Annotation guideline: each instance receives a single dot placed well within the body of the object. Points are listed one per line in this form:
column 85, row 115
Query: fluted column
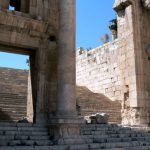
column 66, row 102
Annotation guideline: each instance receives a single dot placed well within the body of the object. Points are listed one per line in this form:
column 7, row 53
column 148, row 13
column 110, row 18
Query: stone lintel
column 22, row 22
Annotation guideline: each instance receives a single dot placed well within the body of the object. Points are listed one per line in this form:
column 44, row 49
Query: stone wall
column 100, row 69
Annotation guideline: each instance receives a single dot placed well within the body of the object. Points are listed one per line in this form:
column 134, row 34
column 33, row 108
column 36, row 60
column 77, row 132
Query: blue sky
column 13, row 60
column 92, row 21
column 93, row 17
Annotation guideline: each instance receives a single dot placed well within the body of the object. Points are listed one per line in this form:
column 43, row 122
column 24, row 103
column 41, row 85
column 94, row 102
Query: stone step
column 14, row 124
column 12, row 106
column 14, row 115
column 25, row 143
column 12, row 103
column 68, row 141
column 9, row 98
column 127, row 135
column 101, row 126
column 24, row 137
column 24, row 133
column 13, row 110
column 138, row 148
column 66, row 147
column 110, row 145
column 114, row 129
column 23, row 129
column 17, row 136
column 128, row 148
column 10, row 94
column 4, row 105
column 14, row 119
column 16, row 112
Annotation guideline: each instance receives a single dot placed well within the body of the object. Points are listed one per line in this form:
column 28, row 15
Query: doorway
column 16, row 98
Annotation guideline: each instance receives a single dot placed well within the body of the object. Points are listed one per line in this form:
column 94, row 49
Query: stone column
column 66, row 124
column 66, row 104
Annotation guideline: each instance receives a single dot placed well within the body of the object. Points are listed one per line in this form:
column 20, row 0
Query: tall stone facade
column 133, row 24
column 34, row 32
column 120, row 69
column 37, row 28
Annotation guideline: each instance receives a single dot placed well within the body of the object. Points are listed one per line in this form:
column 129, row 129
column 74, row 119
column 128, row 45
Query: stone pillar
column 131, row 28
column 66, row 123
column 66, row 104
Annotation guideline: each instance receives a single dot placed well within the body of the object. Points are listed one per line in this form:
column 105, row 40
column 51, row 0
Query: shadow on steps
column 90, row 103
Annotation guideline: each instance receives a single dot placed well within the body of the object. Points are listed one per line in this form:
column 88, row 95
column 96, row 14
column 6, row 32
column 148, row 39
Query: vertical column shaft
column 66, row 103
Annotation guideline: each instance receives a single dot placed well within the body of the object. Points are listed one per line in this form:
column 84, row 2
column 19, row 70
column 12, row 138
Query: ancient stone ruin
column 120, row 71
column 14, row 100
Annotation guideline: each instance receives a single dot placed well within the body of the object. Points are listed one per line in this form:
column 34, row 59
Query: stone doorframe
column 32, row 54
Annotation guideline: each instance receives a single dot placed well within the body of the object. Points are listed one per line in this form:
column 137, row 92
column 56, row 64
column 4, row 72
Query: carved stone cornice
column 146, row 4
column 121, row 4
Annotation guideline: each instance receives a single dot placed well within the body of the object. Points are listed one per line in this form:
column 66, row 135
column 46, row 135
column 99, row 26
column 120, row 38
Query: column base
column 135, row 117
column 63, row 130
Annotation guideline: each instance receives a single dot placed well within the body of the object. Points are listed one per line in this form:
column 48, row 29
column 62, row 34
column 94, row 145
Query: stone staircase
column 12, row 106
column 23, row 136
column 13, row 94
column 91, row 103
column 27, row 136
column 114, row 137
column 13, row 98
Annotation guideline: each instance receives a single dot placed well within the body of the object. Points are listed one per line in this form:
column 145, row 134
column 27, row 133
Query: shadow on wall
column 4, row 116
column 90, row 103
